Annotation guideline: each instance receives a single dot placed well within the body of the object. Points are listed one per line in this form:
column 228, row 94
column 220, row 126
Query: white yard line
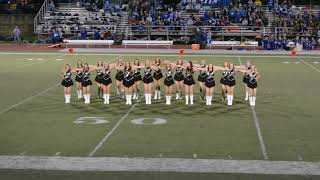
column 160, row 165
column 258, row 129
column 29, row 98
column 106, row 137
column 308, row 64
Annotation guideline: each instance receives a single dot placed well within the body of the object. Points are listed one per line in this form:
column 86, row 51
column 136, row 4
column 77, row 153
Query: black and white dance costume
column 246, row 76
column 231, row 81
column 119, row 75
column 158, row 73
column 137, row 75
column 168, row 81
column 106, row 77
column 252, row 80
column 147, row 79
column 67, row 80
column 203, row 74
column 179, row 74
column 128, row 79
column 209, row 81
column 79, row 76
column 86, row 79
column 99, row 75
column 224, row 77
column 188, row 80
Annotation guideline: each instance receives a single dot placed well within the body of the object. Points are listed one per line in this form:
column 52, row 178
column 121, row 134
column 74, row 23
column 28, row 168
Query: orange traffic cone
column 182, row 51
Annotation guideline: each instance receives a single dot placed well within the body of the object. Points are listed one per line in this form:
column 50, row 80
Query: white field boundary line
column 160, row 165
column 31, row 64
column 308, row 64
column 106, row 137
column 166, row 55
column 29, row 98
column 258, row 129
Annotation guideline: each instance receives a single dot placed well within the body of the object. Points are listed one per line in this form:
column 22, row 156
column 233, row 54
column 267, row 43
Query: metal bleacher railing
column 40, row 16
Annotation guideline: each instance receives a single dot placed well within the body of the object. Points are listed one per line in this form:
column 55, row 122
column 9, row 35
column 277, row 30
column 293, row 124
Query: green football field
column 35, row 121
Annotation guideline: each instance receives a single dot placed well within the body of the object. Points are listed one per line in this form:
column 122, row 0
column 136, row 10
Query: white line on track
column 57, row 154
column 308, row 64
column 105, row 139
column 29, row 98
column 258, row 129
column 160, row 165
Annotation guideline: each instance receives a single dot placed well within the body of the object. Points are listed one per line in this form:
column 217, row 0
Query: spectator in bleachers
column 83, row 34
column 209, row 37
column 96, row 35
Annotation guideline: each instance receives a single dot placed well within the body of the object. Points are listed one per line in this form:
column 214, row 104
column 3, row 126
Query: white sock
column 250, row 101
column 207, row 100
column 156, row 94
column 187, row 99
column 150, row 98
column 85, row 98
column 130, row 99
column 228, row 100
column 118, row 92
column 146, row 98
column 108, row 98
column 191, row 99
column 68, row 97
column 210, row 100
column 177, row 95
column 159, row 94
column 254, row 100
column 105, row 98
column 65, row 99
column 88, row 97
column 247, row 95
column 231, row 99
column 127, row 99
column 78, row 93
column 167, row 100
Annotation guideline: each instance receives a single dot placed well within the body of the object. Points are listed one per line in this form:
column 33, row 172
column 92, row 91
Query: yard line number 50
column 102, row 120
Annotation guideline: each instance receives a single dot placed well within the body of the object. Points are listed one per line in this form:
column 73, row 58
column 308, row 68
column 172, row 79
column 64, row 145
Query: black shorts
column 86, row 83
column 67, row 83
column 223, row 81
column 168, row 81
column 252, row 85
column 128, row 83
column 157, row 75
column 78, row 79
column 98, row 79
column 189, row 81
column 119, row 76
column 231, row 83
column 202, row 78
column 179, row 77
column 147, row 80
column 106, row 82
column 245, row 79
column 210, row 84
column 137, row 77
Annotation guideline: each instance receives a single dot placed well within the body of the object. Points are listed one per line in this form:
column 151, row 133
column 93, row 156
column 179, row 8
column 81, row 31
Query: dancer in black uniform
column 98, row 78
column 67, row 83
column 128, row 82
column 86, row 83
column 178, row 78
column 78, row 79
column 245, row 80
column 231, row 82
column 157, row 75
column 137, row 79
column 119, row 78
column 168, row 82
column 202, row 78
column 210, row 83
column 147, row 80
column 254, row 75
column 106, row 81
column 223, row 81
column 189, row 83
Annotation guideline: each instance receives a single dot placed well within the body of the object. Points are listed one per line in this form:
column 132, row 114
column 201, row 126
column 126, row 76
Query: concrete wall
column 8, row 22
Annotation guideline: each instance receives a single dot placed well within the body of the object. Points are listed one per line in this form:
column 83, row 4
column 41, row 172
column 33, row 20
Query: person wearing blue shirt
column 83, row 34
column 96, row 35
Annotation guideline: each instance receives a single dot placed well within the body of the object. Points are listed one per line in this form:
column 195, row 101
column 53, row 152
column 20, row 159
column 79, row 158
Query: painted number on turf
column 156, row 121
column 91, row 120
